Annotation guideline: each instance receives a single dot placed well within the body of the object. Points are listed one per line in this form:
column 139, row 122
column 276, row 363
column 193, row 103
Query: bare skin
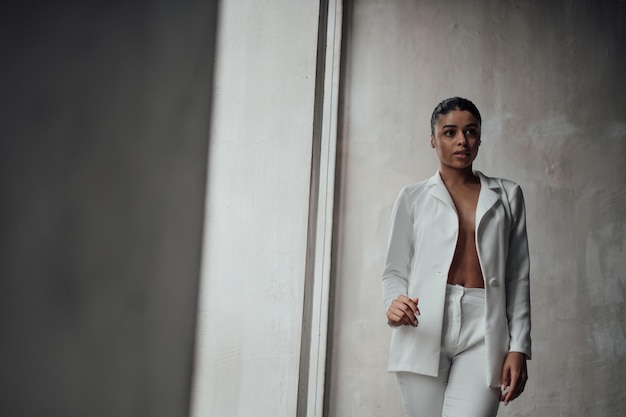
column 456, row 140
column 465, row 268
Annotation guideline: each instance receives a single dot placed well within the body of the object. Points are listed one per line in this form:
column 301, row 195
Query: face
column 456, row 139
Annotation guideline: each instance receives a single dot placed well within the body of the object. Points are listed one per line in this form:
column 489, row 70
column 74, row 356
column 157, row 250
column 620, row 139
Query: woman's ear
column 432, row 141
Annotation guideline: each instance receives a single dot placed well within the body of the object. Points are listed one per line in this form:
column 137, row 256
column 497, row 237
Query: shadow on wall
column 102, row 173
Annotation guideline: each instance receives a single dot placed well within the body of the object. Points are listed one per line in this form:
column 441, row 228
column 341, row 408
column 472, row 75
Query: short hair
column 453, row 103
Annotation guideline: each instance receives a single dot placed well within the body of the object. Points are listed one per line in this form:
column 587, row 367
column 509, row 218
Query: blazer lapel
column 438, row 190
column 487, row 197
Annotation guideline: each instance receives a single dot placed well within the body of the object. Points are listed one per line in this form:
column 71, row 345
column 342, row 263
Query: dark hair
column 453, row 103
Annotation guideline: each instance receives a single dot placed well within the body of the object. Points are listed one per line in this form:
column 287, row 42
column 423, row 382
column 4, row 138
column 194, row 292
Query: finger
column 400, row 315
column 403, row 299
column 520, row 386
column 513, row 391
column 509, row 395
column 404, row 307
column 395, row 315
column 505, row 383
column 407, row 317
column 410, row 314
column 504, row 392
column 410, row 302
column 417, row 309
column 506, row 377
column 396, row 320
column 523, row 377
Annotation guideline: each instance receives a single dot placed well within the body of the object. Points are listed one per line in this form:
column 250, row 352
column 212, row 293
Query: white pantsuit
column 422, row 242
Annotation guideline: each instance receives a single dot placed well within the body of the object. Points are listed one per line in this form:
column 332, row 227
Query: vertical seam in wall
column 329, row 116
column 309, row 278
column 345, row 19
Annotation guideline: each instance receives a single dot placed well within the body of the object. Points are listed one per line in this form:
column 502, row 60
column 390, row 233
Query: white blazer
column 422, row 242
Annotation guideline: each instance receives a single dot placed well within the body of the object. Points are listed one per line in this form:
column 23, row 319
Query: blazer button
column 493, row 282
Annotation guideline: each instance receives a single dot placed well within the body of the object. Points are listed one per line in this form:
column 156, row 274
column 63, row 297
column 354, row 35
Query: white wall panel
column 249, row 330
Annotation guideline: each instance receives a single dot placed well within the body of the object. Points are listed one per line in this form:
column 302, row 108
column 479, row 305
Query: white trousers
column 460, row 389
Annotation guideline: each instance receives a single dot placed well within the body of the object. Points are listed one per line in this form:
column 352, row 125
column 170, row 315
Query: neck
column 452, row 176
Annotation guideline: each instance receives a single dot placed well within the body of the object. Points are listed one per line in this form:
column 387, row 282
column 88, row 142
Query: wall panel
column 253, row 281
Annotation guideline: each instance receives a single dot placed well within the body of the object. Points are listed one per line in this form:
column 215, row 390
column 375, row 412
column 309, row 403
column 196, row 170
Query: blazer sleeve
column 518, row 278
column 400, row 251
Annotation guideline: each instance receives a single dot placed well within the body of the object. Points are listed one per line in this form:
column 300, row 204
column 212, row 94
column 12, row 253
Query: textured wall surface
column 251, row 307
column 105, row 122
column 549, row 80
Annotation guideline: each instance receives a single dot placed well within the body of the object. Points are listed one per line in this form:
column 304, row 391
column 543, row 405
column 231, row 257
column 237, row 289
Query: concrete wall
column 105, row 121
column 549, row 80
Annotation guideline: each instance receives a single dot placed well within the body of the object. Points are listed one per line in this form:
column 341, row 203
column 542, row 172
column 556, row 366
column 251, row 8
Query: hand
column 403, row 311
column 514, row 376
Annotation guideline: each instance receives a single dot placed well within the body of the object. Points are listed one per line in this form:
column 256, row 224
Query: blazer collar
column 489, row 195
column 438, row 189
column 486, row 199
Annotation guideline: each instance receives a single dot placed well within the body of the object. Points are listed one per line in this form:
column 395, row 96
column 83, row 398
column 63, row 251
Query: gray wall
column 105, row 121
column 549, row 80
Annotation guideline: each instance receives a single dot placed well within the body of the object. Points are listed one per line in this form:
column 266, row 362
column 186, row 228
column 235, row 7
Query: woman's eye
column 449, row 133
column 470, row 132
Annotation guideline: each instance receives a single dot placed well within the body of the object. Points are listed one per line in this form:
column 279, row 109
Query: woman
column 456, row 280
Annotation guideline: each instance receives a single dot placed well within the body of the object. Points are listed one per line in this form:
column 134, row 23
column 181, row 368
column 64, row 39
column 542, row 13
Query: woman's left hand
column 514, row 376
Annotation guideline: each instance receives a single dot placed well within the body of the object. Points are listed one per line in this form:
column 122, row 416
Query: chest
column 440, row 220
column 465, row 203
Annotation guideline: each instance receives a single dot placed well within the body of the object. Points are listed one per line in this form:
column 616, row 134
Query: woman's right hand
column 403, row 311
